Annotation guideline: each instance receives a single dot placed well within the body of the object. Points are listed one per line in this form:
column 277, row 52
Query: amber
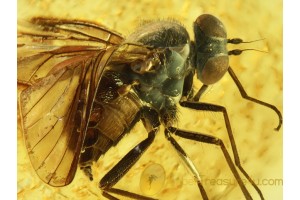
column 259, row 146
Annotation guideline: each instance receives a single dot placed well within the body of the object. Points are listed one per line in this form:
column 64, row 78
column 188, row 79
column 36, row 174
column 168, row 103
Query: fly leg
column 188, row 162
column 216, row 108
column 122, row 167
column 106, row 184
column 245, row 96
column 200, row 92
column 200, row 137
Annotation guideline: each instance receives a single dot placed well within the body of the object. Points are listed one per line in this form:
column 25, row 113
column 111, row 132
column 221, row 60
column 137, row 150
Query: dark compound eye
column 214, row 69
column 211, row 26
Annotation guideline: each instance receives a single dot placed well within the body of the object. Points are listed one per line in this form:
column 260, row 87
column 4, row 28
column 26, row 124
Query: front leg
column 246, row 96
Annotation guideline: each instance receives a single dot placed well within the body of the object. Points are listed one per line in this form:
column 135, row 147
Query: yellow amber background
column 260, row 147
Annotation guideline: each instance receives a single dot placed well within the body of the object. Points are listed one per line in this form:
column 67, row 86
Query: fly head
column 210, row 53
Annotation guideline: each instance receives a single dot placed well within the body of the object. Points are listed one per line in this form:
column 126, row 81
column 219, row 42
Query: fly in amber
column 87, row 86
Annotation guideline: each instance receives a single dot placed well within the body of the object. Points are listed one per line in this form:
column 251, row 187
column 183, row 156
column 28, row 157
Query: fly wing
column 61, row 63
column 45, row 42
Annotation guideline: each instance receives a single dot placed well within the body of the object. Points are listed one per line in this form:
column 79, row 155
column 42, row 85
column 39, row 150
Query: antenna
column 239, row 41
column 237, row 52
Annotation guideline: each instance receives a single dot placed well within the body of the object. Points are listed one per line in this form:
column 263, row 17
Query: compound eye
column 214, row 69
column 211, row 26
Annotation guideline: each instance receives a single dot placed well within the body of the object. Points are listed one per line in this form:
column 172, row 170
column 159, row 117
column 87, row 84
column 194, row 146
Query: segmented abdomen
column 111, row 117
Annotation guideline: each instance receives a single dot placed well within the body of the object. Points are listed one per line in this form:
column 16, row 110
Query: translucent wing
column 60, row 62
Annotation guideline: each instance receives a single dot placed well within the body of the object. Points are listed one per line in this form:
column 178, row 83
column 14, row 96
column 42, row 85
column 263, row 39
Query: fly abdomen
column 111, row 117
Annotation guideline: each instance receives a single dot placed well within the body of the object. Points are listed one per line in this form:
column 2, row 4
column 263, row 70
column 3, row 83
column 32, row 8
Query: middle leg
column 217, row 108
column 200, row 137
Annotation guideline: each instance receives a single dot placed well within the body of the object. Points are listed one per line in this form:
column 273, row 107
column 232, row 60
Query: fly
column 98, row 85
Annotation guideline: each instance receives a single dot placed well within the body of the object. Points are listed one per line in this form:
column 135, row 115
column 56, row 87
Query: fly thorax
column 162, row 88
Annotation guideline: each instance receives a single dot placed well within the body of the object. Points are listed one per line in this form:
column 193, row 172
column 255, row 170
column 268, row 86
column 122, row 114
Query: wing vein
column 45, row 93
column 50, row 37
column 57, row 118
column 84, row 34
column 72, row 135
